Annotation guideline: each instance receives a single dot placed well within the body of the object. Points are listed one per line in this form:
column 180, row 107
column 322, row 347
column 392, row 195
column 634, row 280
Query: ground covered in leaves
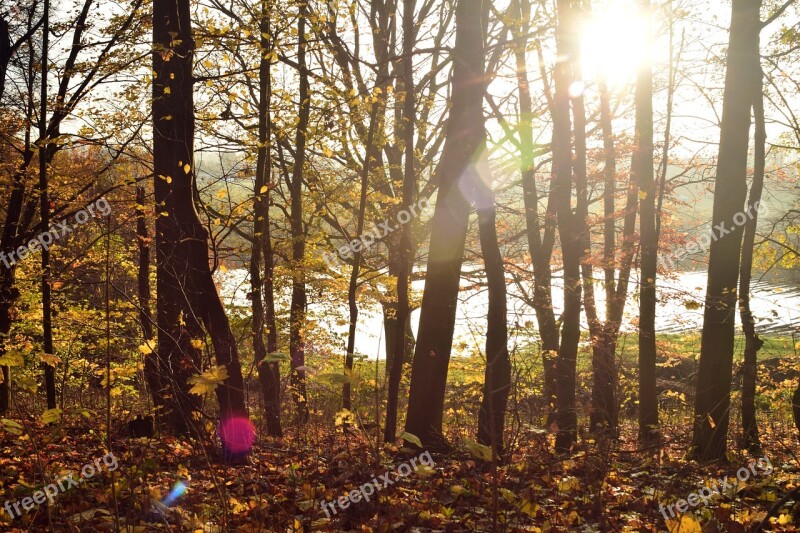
column 171, row 485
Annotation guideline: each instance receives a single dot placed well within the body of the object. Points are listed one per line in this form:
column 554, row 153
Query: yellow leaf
column 344, row 417
column 49, row 359
column 187, row 168
column 51, row 416
column 208, row 381
column 479, row 451
column 12, row 358
column 686, row 524
column 413, row 439
column 12, row 427
column 148, row 347
column 263, row 189
column 197, row 344
column 425, row 471
column 568, row 484
column 167, row 90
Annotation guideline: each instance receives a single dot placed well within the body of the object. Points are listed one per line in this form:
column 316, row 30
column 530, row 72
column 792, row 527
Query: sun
column 615, row 42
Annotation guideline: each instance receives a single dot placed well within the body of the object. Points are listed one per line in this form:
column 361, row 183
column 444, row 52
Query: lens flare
column 237, row 435
column 177, row 491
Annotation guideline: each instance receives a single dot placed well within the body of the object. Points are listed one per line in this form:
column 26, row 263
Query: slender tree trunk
column 712, row 402
column 752, row 341
column 8, row 293
column 188, row 305
column 539, row 247
column 5, row 54
column 297, row 312
column 568, row 229
column 390, row 329
column 12, row 229
column 497, row 376
column 358, row 252
column 47, row 314
column 151, row 366
column 642, row 168
column 406, row 251
column 262, row 292
column 456, row 170
column 604, row 416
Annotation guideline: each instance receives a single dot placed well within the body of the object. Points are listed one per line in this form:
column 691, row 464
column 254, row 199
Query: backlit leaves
column 208, row 381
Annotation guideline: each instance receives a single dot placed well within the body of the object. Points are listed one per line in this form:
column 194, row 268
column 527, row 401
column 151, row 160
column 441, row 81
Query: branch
column 777, row 14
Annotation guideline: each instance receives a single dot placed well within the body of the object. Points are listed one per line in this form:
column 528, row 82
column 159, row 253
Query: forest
column 399, row 265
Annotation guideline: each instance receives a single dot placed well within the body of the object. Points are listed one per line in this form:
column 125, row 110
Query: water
column 776, row 308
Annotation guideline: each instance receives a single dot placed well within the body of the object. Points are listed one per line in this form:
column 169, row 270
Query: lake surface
column 776, row 308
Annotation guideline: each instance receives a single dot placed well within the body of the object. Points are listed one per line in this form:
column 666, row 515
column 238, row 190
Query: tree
column 497, row 377
column 188, row 306
column 297, row 317
column 44, row 213
column 753, row 342
column 712, row 402
column 455, row 174
column 540, row 233
column 642, row 169
column 406, row 252
column 605, row 406
column 569, row 227
column 151, row 366
column 353, row 285
column 262, row 288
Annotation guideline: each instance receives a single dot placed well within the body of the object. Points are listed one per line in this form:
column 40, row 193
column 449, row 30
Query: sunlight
column 615, row 42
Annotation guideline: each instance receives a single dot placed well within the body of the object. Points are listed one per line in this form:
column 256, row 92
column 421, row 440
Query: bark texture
column 188, row 306
column 455, row 174
column 712, row 402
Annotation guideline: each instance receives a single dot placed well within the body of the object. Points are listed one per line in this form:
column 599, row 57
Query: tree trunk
column 297, row 311
column 353, row 285
column 12, row 230
column 187, row 297
column 540, row 247
column 642, row 169
column 752, row 341
column 605, row 409
column 456, row 170
column 406, row 249
column 47, row 314
column 389, row 310
column 151, row 366
column 568, row 229
column 8, row 293
column 497, row 376
column 5, row 53
column 262, row 290
column 712, row 402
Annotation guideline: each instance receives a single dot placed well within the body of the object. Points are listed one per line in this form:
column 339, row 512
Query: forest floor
column 168, row 484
